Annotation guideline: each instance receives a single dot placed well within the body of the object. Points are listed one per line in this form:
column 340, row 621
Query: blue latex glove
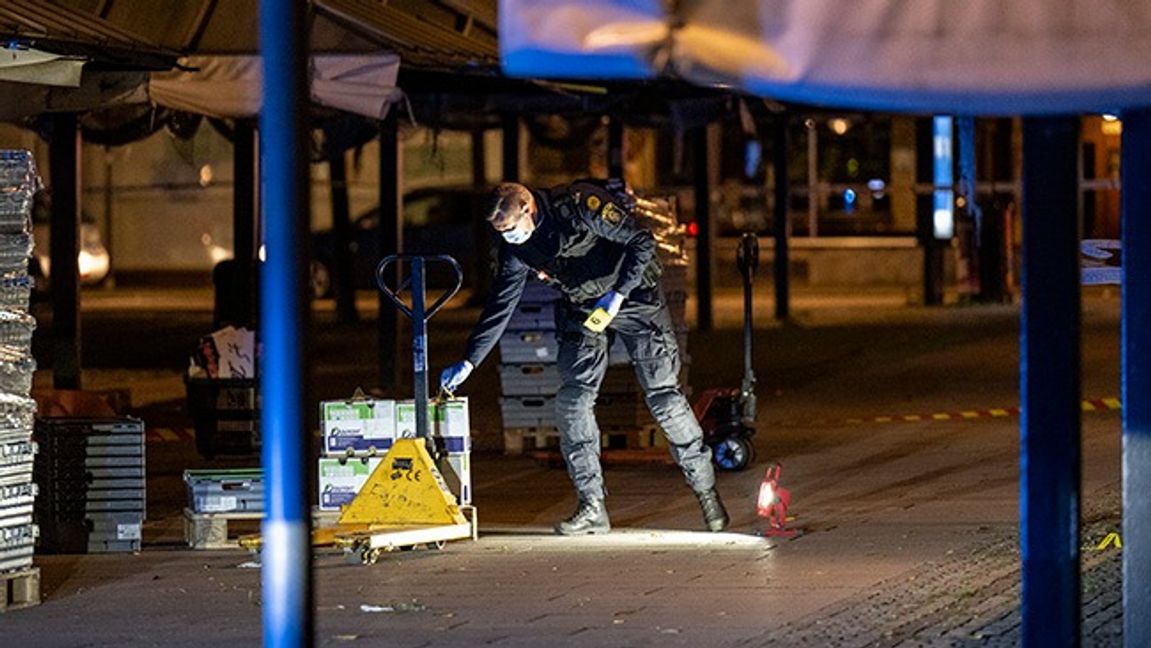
column 604, row 312
column 455, row 375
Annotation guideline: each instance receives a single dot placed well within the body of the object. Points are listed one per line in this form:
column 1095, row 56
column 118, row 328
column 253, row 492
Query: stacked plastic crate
column 92, row 484
column 528, row 375
column 18, row 184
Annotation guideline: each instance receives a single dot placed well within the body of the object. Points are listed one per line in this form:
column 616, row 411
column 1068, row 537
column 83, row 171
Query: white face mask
column 517, row 235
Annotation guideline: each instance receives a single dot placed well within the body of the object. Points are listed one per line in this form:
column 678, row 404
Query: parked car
column 93, row 258
column 440, row 220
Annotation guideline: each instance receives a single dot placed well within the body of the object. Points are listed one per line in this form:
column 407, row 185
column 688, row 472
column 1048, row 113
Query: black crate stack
column 91, row 477
column 19, row 182
column 528, row 375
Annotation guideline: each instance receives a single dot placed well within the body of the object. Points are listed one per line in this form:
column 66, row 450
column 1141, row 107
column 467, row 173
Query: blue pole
column 1135, row 167
column 1049, row 384
column 286, row 575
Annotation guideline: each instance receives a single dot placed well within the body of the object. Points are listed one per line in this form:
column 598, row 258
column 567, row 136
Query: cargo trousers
column 644, row 325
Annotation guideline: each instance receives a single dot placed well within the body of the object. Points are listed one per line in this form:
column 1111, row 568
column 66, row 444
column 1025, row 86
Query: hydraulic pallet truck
column 406, row 502
column 727, row 416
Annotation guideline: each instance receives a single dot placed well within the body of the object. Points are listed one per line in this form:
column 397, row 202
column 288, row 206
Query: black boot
column 713, row 512
column 589, row 519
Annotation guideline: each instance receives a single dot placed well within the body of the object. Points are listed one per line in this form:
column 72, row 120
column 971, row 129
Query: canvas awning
column 229, row 86
column 978, row 57
column 29, row 65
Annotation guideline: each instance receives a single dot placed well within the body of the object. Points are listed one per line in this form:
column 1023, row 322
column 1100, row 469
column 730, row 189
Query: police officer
column 583, row 240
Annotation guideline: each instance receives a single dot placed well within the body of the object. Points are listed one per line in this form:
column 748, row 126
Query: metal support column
column 287, row 556
column 615, row 147
column 971, row 233
column 702, row 181
column 391, row 232
column 481, row 279
column 1135, row 200
column 511, row 149
column 1049, row 385
column 244, row 183
column 344, row 286
column 65, row 244
column 781, row 218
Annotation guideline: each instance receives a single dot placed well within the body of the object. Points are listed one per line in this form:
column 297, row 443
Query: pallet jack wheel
column 733, row 453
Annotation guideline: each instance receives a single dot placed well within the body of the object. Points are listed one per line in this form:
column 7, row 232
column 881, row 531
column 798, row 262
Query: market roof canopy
column 981, row 56
column 230, row 87
column 59, row 30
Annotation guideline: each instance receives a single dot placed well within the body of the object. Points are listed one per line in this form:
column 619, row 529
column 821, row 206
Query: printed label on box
column 127, row 531
column 360, row 426
column 340, row 479
column 406, row 419
column 216, row 503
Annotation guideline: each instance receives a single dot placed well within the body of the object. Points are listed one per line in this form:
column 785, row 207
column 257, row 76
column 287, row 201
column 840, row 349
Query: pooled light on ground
column 638, row 539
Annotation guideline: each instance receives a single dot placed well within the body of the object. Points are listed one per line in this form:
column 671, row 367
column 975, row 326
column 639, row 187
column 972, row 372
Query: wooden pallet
column 21, row 589
column 517, row 441
column 219, row 530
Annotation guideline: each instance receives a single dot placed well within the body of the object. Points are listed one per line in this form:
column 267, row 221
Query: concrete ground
column 892, row 424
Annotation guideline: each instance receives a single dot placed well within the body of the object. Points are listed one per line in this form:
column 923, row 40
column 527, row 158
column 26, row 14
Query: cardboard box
column 453, row 424
column 341, row 478
column 406, row 419
column 358, row 427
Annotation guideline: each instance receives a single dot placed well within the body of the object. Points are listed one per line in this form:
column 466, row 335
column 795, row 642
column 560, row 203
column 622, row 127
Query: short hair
column 507, row 199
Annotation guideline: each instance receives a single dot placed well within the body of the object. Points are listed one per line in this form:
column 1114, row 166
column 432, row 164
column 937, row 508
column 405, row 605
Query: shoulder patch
column 593, row 202
column 612, row 213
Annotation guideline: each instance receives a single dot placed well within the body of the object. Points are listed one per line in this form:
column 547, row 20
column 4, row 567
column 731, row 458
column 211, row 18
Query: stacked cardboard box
column 19, row 182
column 358, row 432
column 91, row 477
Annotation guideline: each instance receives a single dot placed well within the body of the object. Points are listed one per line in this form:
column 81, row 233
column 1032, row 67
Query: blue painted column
column 1049, row 385
column 1135, row 198
column 287, row 569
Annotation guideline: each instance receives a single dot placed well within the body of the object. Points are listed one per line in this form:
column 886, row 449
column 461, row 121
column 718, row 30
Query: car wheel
column 321, row 280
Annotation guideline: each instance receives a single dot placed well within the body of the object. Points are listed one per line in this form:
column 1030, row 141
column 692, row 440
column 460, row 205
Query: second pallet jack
column 727, row 415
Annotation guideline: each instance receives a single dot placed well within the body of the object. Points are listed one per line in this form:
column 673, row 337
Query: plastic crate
column 225, row 414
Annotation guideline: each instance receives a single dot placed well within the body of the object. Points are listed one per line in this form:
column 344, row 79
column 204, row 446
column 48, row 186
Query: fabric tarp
column 229, row 86
column 97, row 90
column 975, row 57
column 33, row 66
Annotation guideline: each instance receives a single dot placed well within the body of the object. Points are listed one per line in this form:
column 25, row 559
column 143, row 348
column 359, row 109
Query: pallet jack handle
column 419, row 314
column 747, row 258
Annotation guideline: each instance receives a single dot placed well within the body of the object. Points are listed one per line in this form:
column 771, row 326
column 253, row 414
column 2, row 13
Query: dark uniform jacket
column 585, row 244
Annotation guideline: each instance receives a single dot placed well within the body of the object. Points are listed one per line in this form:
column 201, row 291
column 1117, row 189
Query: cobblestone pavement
column 969, row 599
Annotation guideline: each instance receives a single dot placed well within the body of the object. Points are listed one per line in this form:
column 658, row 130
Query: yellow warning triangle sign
column 1109, row 540
column 405, row 489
